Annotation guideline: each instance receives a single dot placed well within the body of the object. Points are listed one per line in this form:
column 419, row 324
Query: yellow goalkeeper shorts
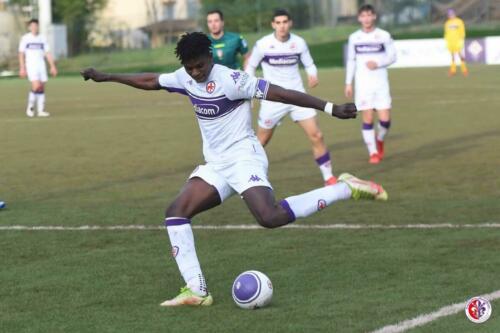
column 455, row 46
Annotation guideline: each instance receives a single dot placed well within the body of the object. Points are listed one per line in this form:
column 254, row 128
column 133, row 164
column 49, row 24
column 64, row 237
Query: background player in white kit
column 279, row 54
column 235, row 160
column 370, row 51
column 33, row 49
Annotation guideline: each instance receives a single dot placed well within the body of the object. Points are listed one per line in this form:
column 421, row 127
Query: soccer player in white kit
column 370, row 51
column 33, row 49
column 235, row 160
column 279, row 55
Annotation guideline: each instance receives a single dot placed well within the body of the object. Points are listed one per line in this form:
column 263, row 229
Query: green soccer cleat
column 188, row 297
column 363, row 189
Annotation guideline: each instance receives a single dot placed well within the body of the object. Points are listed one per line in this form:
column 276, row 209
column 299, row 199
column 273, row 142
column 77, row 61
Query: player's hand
column 94, row 75
column 22, row 72
column 348, row 90
column 345, row 111
column 372, row 65
column 53, row 71
column 312, row 81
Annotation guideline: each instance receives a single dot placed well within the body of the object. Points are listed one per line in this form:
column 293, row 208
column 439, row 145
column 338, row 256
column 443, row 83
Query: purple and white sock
column 383, row 129
column 369, row 138
column 306, row 204
column 325, row 166
column 183, row 250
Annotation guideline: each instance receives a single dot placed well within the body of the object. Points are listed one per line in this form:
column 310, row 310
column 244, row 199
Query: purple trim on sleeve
column 385, row 124
column 323, row 159
column 367, row 126
column 262, row 88
column 176, row 90
column 290, row 212
column 172, row 221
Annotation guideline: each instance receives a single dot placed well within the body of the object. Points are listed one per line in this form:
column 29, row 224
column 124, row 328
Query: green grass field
column 110, row 155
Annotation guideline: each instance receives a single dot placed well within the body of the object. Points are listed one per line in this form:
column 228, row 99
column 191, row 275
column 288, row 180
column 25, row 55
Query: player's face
column 281, row 26
column 33, row 28
column 367, row 19
column 215, row 24
column 199, row 69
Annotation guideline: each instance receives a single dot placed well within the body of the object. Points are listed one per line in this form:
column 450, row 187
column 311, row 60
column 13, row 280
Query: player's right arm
column 145, row 81
column 254, row 60
column 22, row 63
column 350, row 68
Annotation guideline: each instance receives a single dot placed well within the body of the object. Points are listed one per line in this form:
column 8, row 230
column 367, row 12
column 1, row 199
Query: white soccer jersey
column 377, row 46
column 221, row 104
column 34, row 48
column 280, row 61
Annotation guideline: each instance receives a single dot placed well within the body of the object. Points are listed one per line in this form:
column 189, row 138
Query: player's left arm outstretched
column 288, row 96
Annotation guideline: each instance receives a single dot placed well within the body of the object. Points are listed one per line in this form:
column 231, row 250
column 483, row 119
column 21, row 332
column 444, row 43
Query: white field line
column 428, row 317
column 253, row 227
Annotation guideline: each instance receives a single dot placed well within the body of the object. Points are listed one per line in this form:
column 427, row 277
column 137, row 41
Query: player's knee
column 316, row 137
column 177, row 209
column 267, row 219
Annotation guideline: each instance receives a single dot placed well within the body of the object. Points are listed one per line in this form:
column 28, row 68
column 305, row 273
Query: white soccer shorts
column 37, row 73
column 378, row 99
column 271, row 113
column 243, row 172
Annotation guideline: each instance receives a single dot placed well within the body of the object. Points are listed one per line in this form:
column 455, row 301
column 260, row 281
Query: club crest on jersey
column 210, row 87
column 321, row 204
column 293, row 46
column 175, row 251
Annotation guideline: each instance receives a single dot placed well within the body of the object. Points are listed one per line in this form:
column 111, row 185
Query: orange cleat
column 374, row 159
column 380, row 148
column 331, row 181
column 465, row 72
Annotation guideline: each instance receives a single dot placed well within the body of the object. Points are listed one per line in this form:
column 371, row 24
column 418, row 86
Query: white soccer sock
column 369, row 138
column 306, row 204
column 183, row 250
column 31, row 100
column 325, row 166
column 383, row 129
column 40, row 102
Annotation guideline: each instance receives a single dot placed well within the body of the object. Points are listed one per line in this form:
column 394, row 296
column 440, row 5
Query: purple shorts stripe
column 385, row 124
column 323, row 159
column 367, row 126
column 290, row 212
column 171, row 221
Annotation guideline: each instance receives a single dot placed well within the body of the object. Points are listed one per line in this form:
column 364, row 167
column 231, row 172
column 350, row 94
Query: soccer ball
column 252, row 290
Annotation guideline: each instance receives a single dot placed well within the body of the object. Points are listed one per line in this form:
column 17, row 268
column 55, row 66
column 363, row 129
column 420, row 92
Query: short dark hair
column 33, row 20
column 217, row 11
column 193, row 45
column 281, row 12
column 367, row 8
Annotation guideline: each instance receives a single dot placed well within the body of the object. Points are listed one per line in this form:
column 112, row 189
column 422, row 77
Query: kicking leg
column 320, row 151
column 196, row 197
column 260, row 200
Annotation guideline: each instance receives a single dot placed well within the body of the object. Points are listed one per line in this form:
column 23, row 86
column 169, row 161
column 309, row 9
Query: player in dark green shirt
column 225, row 45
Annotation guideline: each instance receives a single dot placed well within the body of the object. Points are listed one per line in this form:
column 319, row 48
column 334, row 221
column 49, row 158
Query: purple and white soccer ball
column 252, row 290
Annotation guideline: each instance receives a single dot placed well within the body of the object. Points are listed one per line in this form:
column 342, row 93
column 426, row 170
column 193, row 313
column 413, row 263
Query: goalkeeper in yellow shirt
column 454, row 34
